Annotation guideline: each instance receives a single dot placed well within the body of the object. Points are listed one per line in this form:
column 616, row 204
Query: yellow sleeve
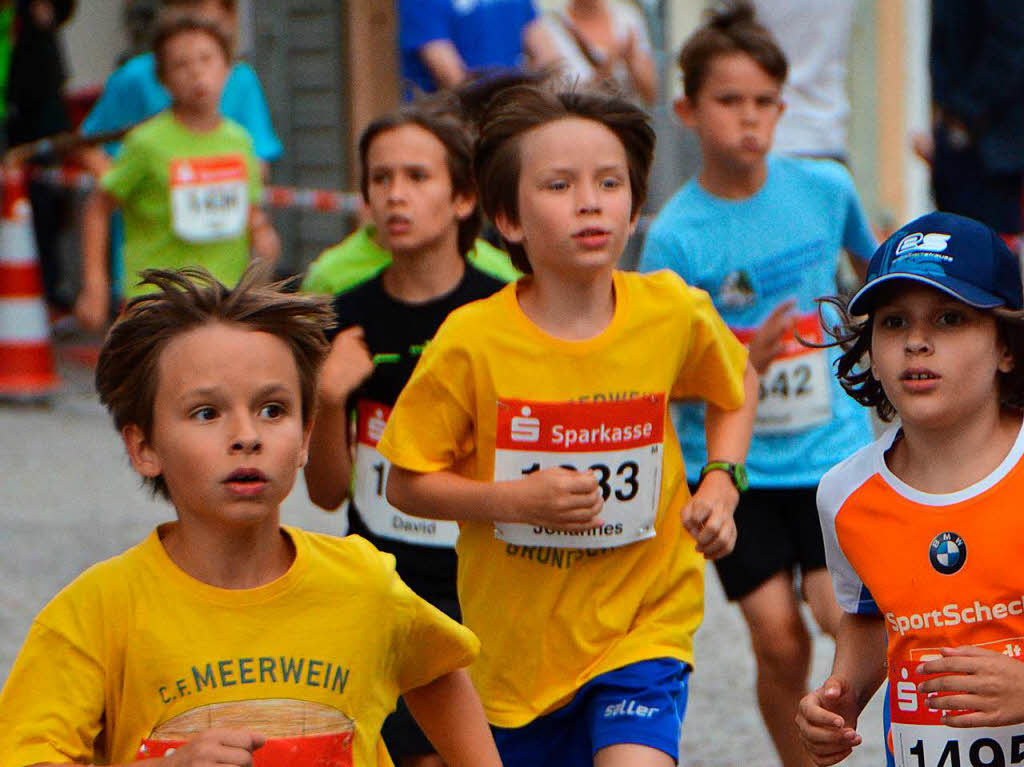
column 431, row 425
column 51, row 707
column 424, row 642
column 715, row 360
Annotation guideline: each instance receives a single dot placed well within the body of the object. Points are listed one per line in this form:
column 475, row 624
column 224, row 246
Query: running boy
column 923, row 526
column 538, row 419
column 224, row 635
column 763, row 234
column 186, row 180
column 417, row 179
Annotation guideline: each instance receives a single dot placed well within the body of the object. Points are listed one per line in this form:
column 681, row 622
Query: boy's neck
column 947, row 460
column 424, row 276
column 573, row 310
column 730, row 182
column 197, row 120
column 229, row 558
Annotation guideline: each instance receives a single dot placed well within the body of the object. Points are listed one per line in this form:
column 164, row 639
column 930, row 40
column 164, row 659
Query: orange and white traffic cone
column 27, row 369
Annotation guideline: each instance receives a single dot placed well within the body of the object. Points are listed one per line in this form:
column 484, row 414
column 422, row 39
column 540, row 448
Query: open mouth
column 246, row 477
column 918, row 375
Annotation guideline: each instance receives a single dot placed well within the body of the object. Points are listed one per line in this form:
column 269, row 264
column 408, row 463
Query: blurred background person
column 442, row 42
column 134, row 93
column 976, row 146
column 606, row 40
column 815, row 36
column 35, row 108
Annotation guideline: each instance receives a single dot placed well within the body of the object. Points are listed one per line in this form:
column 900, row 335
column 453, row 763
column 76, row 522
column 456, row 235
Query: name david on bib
column 621, row 442
column 371, row 481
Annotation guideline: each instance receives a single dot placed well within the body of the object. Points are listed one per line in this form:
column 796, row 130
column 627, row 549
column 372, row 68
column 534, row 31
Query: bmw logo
column 947, row 553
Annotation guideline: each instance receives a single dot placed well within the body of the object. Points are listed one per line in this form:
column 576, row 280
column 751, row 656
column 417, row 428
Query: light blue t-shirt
column 133, row 94
column 750, row 255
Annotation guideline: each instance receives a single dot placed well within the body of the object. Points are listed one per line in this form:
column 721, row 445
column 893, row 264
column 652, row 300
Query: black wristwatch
column 737, row 472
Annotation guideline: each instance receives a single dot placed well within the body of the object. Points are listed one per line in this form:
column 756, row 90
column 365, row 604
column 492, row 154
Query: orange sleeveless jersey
column 941, row 570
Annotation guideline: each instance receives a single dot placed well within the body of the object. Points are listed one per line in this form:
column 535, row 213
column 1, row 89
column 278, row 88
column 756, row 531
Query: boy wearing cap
column 922, row 527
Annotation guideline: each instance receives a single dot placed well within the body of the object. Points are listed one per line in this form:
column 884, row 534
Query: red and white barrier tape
column 286, row 197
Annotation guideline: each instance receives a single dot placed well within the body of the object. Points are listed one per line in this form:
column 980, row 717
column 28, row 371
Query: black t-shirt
column 396, row 333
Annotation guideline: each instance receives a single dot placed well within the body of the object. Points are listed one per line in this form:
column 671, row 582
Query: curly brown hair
column 126, row 375
column 853, row 335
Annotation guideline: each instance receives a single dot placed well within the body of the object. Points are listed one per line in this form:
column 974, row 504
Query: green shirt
column 358, row 257
column 185, row 198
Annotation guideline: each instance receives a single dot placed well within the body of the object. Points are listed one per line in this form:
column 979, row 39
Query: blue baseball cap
column 957, row 255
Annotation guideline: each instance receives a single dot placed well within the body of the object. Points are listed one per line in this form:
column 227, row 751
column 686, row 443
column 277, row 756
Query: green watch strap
column 737, row 472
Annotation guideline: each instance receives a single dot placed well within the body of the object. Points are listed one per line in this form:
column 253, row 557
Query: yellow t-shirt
column 135, row 649
column 551, row 618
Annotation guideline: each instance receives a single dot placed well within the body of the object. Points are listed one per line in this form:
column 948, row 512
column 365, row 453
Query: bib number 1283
column 619, row 442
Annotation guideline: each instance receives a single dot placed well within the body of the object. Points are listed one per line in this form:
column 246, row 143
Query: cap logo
column 932, row 243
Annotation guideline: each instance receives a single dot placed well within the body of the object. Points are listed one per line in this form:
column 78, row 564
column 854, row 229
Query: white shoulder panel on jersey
column 838, row 484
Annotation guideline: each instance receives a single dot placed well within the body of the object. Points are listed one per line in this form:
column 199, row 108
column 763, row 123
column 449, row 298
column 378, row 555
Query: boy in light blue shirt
column 762, row 234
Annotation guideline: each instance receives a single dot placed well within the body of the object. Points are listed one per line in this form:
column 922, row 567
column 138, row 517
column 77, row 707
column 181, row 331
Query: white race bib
column 620, row 441
column 371, row 479
column 919, row 739
column 209, row 197
column 795, row 393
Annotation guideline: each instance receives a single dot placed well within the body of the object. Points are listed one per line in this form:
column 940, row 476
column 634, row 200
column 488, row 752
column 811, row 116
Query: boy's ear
column 140, row 452
column 307, row 431
column 1006, row 361
column 511, row 231
column 684, row 110
column 465, row 204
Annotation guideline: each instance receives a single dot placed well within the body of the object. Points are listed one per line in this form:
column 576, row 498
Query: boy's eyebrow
column 206, row 392
column 617, row 166
column 271, row 388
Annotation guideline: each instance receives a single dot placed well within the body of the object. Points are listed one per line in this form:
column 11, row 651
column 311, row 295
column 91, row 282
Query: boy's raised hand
column 557, row 497
column 988, row 687
column 217, row 747
column 348, row 364
column 708, row 515
column 766, row 343
column 827, row 718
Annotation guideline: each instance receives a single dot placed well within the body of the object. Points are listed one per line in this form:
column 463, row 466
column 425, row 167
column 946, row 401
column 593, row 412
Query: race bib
column 621, row 442
column 209, row 198
column 919, row 739
column 330, row 750
column 795, row 393
column 371, row 479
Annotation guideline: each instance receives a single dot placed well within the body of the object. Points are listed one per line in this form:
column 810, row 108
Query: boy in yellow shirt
column 538, row 419
column 225, row 637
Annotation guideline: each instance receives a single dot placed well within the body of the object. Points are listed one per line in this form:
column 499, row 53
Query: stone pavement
column 69, row 498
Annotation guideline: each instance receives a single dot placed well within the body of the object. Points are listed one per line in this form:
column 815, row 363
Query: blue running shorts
column 643, row 703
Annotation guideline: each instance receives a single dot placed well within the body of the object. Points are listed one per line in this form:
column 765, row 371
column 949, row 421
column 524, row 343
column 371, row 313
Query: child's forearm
column 329, row 468
column 265, row 243
column 554, row 497
column 95, row 239
column 448, row 711
column 447, row 495
column 728, row 431
column 860, row 657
